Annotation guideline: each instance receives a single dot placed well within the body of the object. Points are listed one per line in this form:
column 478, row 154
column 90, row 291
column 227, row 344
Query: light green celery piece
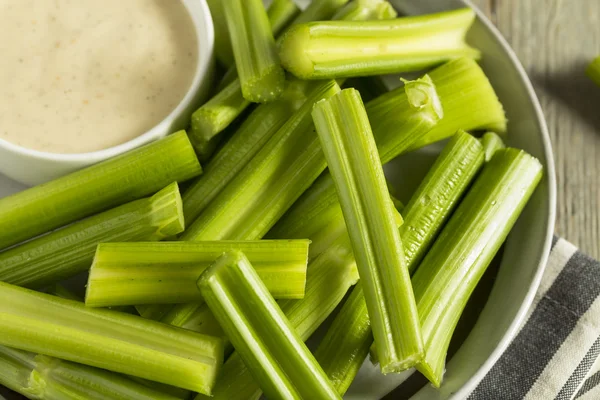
column 121, row 179
column 261, row 75
column 153, row 311
column 47, row 378
column 343, row 49
column 438, row 194
column 223, row 50
column 281, row 13
column 468, row 100
column 365, row 10
column 157, row 273
column 351, row 153
column 466, row 246
column 319, row 11
column 270, row 183
column 272, row 350
column 491, row 143
column 329, row 277
column 593, row 71
column 70, row 250
column 66, row 329
column 346, row 344
column 250, row 137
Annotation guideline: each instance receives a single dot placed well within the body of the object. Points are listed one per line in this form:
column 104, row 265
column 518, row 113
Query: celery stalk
column 347, row 342
column 593, row 71
column 270, row 183
column 68, row 251
column 256, row 130
column 66, row 329
column 281, row 13
column 223, row 50
column 365, row 10
column 335, row 49
column 491, row 143
column 130, row 176
column 157, row 273
column 153, row 311
column 351, row 153
column 459, row 257
column 263, row 337
column 261, row 76
column 47, row 378
column 319, row 11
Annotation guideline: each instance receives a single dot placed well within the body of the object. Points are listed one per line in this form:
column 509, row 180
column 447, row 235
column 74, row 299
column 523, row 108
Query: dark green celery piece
column 127, row 177
column 319, row 11
column 119, row 342
column 365, row 10
column 281, row 13
column 70, row 250
column 466, row 246
column 343, row 127
column 593, row 71
column 153, row 311
column 157, row 273
column 223, row 50
column 491, row 143
column 48, row 378
column 336, row 49
column 270, row 183
column 264, row 338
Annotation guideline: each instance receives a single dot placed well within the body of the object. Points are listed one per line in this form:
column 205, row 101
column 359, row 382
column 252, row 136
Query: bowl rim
column 201, row 19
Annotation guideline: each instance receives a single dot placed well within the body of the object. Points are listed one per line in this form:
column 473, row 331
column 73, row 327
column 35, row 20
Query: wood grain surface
column 555, row 40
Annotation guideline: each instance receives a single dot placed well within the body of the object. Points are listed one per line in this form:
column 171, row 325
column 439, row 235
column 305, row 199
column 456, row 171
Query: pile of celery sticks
column 291, row 204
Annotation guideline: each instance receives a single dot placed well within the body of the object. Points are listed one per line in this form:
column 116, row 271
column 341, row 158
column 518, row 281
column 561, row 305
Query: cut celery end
column 261, row 76
column 66, row 329
column 281, row 13
column 128, row 177
column 477, row 228
column 68, row 251
column 491, row 143
column 353, row 161
column 262, row 335
column 270, row 183
column 593, row 71
column 223, row 50
column 163, row 273
column 346, row 344
column 336, row 49
column 366, row 10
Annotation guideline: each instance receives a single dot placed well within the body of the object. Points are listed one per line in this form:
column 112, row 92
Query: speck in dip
column 84, row 75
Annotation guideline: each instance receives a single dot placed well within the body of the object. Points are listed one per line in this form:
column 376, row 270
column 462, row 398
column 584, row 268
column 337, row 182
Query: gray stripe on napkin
column 578, row 376
column 589, row 384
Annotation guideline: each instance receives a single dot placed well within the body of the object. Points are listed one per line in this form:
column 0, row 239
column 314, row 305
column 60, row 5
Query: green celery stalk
column 130, row 176
column 319, row 11
column 263, row 337
column 153, row 311
column 335, row 49
column 70, row 250
column 351, row 153
column 593, row 71
column 119, row 342
column 468, row 243
column 261, row 76
column 281, row 13
column 346, row 344
column 329, row 277
column 491, row 143
column 254, row 132
column 157, row 273
column 270, row 183
column 223, row 50
column 64, row 293
column 365, row 10
column 47, row 378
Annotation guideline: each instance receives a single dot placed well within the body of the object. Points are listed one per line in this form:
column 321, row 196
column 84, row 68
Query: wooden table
column 555, row 40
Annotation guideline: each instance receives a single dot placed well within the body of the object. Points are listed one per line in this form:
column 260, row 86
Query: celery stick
column 459, row 257
column 130, row 176
column 153, row 311
column 66, row 329
column 223, row 50
column 47, row 378
column 593, row 71
column 157, row 273
column 319, row 11
column 348, row 144
column 491, row 143
column 281, row 13
column 256, row 130
column 263, row 337
column 64, row 293
column 270, row 183
column 335, row 49
column 347, row 342
column 261, row 76
column 365, row 10
column 68, row 251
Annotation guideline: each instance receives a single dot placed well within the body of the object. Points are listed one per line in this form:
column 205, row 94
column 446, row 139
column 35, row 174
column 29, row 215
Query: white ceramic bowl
column 33, row 167
column 528, row 245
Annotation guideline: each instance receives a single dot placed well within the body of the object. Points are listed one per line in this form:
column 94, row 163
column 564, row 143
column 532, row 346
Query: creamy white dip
column 84, row 75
